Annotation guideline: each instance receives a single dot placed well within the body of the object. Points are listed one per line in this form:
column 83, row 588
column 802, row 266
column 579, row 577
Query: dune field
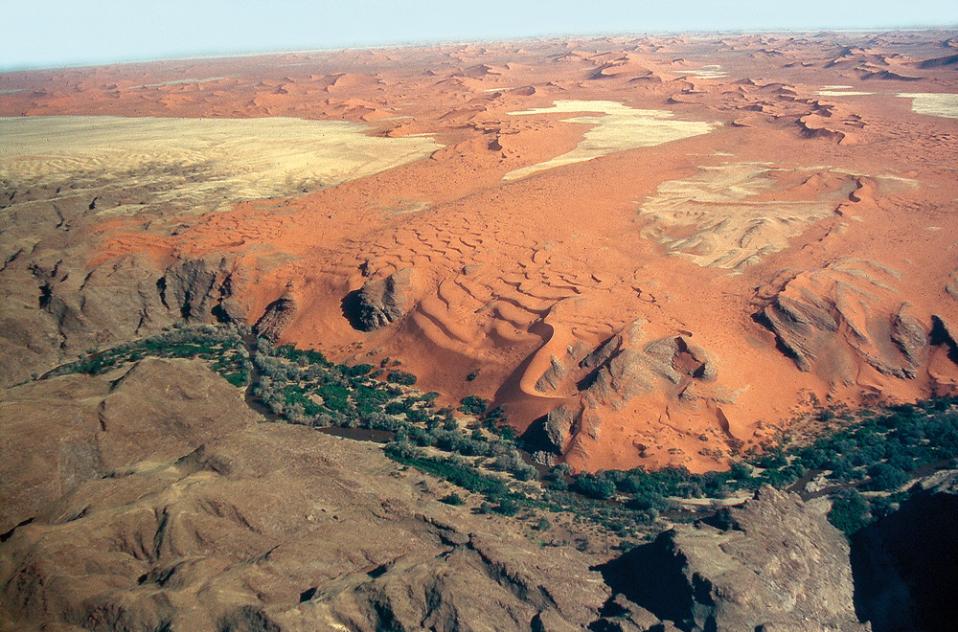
column 671, row 250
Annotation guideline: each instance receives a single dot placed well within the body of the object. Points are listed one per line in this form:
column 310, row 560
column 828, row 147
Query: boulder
column 380, row 302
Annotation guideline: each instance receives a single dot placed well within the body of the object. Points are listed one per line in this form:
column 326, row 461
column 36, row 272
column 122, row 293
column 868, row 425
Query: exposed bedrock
column 607, row 380
column 553, row 432
column 198, row 289
column 147, row 499
column 778, row 565
column 56, row 309
column 848, row 313
column 381, row 301
column 276, row 317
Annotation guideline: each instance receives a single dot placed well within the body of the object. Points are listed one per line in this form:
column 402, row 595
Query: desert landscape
column 612, row 254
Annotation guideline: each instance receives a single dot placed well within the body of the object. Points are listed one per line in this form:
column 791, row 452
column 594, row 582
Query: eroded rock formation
column 778, row 565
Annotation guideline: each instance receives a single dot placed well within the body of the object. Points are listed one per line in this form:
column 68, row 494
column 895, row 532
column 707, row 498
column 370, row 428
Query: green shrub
column 473, row 405
column 453, row 499
column 593, row 486
column 849, row 512
column 401, row 377
column 507, row 507
column 884, row 476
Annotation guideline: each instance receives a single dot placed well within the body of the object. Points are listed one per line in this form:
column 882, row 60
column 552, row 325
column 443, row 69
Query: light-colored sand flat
column 933, row 104
column 206, row 162
column 618, row 128
column 721, row 218
column 842, row 93
column 179, row 82
column 710, row 71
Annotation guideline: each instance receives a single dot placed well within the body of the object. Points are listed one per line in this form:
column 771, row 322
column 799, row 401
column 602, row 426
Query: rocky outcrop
column 635, row 365
column 552, row 432
column 909, row 334
column 380, row 302
column 848, row 312
column 276, row 317
column 628, row 364
column 779, row 566
column 194, row 287
column 152, row 498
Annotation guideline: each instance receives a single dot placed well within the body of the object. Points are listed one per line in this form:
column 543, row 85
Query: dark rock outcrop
column 380, row 302
column 552, row 432
column 275, row 318
column 194, row 288
column 779, row 566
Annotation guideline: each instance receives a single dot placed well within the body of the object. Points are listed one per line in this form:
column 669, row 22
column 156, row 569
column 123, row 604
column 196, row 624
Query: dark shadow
column 534, row 439
column 351, row 306
column 905, row 567
column 940, row 336
column 652, row 576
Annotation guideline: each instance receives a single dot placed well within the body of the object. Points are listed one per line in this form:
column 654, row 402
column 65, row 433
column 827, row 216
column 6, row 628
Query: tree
column 473, row 405
column 849, row 512
column 886, row 477
column 593, row 486
column 453, row 499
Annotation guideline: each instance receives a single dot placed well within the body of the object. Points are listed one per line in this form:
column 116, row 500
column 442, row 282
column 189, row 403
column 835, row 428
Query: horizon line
column 214, row 55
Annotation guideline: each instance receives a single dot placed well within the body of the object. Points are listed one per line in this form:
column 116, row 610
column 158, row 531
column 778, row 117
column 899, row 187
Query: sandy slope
column 770, row 238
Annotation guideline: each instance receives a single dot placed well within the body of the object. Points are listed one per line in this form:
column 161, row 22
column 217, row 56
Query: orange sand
column 514, row 272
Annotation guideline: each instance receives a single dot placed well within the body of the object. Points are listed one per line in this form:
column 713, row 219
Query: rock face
column 194, row 288
column 846, row 313
column 641, row 365
column 151, row 498
column 553, row 432
column 779, row 566
column 381, row 302
column 277, row 316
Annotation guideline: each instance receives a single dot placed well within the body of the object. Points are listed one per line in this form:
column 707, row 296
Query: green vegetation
column 878, row 453
column 473, row 405
column 849, row 511
column 401, row 377
column 453, row 499
column 221, row 347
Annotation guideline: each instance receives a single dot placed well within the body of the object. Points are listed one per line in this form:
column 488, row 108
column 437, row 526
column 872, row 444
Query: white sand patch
column 722, row 217
column 826, row 92
column 198, row 162
column 709, row 71
column 933, row 104
column 618, row 128
column 178, row 82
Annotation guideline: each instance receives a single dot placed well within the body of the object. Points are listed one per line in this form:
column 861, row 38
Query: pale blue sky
column 41, row 33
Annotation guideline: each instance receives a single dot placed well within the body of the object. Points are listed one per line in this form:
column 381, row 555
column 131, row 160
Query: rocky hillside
column 152, row 498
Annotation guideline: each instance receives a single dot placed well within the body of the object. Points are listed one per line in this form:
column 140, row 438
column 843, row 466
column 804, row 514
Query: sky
column 50, row 33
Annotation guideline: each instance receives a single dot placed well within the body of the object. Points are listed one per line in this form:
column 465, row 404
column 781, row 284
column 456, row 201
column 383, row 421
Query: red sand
column 510, row 274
